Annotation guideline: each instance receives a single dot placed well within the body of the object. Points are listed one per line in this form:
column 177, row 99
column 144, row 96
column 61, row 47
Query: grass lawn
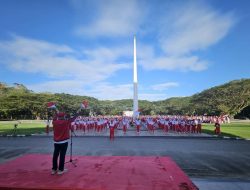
column 234, row 129
column 23, row 128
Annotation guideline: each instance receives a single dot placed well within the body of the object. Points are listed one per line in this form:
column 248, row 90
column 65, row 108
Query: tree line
column 233, row 98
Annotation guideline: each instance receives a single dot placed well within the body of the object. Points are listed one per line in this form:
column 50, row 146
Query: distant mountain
column 233, row 98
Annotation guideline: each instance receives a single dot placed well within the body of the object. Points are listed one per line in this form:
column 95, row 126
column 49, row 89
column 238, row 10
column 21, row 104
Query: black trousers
column 59, row 149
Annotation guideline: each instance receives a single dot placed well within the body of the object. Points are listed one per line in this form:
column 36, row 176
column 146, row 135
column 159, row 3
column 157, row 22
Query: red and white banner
column 51, row 105
column 85, row 104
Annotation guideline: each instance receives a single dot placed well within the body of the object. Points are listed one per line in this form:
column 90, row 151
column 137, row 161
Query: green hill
column 230, row 98
column 233, row 98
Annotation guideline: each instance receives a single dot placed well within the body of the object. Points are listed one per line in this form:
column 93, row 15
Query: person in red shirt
column 217, row 127
column 61, row 126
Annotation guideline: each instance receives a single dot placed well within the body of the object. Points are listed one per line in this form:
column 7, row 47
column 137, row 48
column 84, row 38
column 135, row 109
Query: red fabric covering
column 95, row 173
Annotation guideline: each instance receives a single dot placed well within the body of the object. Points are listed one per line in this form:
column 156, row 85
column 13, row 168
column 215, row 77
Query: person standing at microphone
column 61, row 127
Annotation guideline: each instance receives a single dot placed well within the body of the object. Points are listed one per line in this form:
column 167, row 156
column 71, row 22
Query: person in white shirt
column 112, row 130
column 138, row 125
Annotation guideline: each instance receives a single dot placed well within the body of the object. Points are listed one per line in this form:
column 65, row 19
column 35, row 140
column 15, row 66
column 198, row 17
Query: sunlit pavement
column 228, row 184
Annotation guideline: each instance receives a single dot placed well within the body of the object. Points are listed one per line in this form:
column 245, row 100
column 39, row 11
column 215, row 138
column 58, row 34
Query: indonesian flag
column 51, row 105
column 84, row 104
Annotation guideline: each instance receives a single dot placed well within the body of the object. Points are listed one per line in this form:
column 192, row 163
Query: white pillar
column 135, row 100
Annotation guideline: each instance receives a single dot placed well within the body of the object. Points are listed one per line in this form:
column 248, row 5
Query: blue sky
column 85, row 47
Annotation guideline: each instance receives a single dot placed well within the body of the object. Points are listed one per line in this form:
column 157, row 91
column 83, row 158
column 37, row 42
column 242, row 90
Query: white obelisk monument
column 135, row 100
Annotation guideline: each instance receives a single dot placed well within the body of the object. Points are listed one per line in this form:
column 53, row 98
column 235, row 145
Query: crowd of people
column 215, row 119
column 179, row 124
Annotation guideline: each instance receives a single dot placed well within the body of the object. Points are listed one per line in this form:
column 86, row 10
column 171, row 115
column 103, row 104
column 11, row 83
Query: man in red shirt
column 217, row 127
column 61, row 126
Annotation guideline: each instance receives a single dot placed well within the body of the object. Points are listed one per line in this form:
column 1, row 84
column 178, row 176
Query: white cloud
column 106, row 91
column 150, row 61
column 66, row 69
column 181, row 31
column 101, row 91
column 187, row 63
column 58, row 61
column 114, row 18
column 193, row 26
column 75, row 87
column 110, row 54
column 164, row 86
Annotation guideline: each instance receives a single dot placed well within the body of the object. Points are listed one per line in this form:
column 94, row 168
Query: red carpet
column 95, row 173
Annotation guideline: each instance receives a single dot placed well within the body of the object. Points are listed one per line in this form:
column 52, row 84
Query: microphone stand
column 72, row 161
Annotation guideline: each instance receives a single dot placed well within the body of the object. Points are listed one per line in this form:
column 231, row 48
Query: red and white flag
column 84, row 104
column 51, row 105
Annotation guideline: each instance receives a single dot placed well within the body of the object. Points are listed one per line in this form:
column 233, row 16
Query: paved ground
column 132, row 132
column 211, row 163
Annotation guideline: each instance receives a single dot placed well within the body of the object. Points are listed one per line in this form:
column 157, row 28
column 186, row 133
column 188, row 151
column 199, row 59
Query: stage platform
column 32, row 171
